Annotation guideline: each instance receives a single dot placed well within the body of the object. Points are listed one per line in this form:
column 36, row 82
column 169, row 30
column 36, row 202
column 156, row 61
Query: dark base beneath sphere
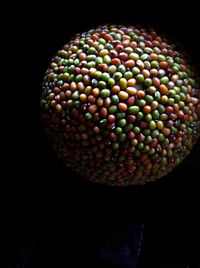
column 122, row 246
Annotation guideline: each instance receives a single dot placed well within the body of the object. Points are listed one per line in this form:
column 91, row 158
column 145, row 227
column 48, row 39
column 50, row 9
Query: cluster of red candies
column 121, row 105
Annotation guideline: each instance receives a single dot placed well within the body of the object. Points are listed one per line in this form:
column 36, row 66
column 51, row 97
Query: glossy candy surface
column 121, row 105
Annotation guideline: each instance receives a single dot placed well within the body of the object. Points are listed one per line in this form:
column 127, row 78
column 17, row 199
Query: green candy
column 141, row 102
column 155, row 133
column 91, row 64
column 148, row 139
column 128, row 75
column 109, row 46
column 135, row 70
column 112, row 109
column 140, row 116
column 99, row 60
column 88, row 116
column 91, row 58
column 117, row 76
column 107, row 59
column 121, row 115
column 148, row 82
column 122, row 137
column 140, row 146
column 128, row 128
column 140, row 78
column 163, row 117
column 102, row 84
column 111, row 82
column 105, row 93
column 136, row 130
column 122, row 122
column 154, row 64
column 98, row 74
column 161, row 137
column 148, row 117
column 103, row 122
column 115, row 99
column 112, row 69
column 133, row 109
column 164, row 80
column 144, row 57
column 152, row 125
column 105, row 76
column 151, row 90
column 146, row 131
column 115, row 145
column 161, row 58
column 91, row 50
column 102, row 41
column 121, row 68
column 118, row 130
column 161, row 108
column 149, row 99
column 155, row 114
column 79, row 78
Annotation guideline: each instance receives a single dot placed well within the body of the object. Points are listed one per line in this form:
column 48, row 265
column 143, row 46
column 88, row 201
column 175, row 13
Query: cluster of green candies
column 121, row 105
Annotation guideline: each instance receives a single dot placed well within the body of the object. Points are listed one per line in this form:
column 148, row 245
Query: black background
column 67, row 215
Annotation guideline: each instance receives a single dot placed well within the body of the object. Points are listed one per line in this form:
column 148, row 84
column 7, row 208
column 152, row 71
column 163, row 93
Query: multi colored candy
column 121, row 105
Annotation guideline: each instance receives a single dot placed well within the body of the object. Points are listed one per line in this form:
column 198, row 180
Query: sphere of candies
column 121, row 105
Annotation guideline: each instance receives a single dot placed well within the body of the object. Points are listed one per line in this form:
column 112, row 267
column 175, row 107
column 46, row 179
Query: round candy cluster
column 121, row 105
